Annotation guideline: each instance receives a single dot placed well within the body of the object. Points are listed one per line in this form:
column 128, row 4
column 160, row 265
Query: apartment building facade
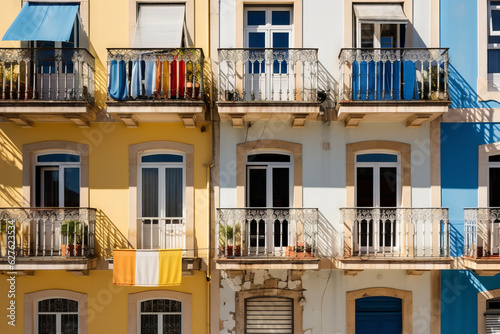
column 106, row 139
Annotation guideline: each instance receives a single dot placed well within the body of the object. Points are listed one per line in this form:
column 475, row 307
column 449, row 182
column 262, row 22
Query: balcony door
column 266, row 74
column 494, row 202
column 377, row 190
column 57, row 184
column 161, row 201
column 269, row 184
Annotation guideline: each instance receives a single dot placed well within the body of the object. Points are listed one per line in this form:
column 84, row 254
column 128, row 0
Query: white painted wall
column 325, row 311
column 324, row 171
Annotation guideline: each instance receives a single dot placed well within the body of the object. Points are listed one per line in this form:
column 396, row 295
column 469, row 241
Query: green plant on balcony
column 229, row 233
column 73, row 232
column 433, row 91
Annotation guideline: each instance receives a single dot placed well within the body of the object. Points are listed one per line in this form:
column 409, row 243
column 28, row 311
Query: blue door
column 379, row 315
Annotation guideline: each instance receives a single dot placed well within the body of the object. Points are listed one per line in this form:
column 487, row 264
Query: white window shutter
column 159, row 26
column 493, row 324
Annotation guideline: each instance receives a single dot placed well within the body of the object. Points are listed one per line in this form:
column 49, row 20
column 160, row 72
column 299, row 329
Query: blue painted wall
column 459, row 171
column 458, row 31
column 459, row 289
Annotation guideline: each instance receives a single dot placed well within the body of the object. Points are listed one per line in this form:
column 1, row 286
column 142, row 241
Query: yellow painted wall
column 108, row 165
column 107, row 304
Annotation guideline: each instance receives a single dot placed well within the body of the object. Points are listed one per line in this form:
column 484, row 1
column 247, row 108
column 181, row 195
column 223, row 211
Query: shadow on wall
column 328, row 85
column 462, row 95
column 108, row 237
column 327, row 237
column 456, row 239
column 10, row 154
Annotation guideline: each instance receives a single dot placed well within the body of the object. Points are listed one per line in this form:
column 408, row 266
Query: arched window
column 57, row 316
column 160, row 316
column 57, row 179
column 162, row 214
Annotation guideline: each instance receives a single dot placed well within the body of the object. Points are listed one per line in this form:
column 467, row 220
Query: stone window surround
column 484, row 151
column 29, row 151
column 293, row 294
column 482, row 297
column 405, row 296
column 30, row 307
column 135, row 151
column 404, row 151
column 242, row 151
column 189, row 16
column 482, row 53
column 134, row 300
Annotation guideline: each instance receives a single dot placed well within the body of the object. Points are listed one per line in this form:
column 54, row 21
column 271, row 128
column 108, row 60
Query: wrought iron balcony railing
column 47, row 74
column 268, row 74
column 396, row 74
column 482, row 232
column 397, row 232
column 155, row 74
column 47, row 232
column 267, row 232
column 162, row 232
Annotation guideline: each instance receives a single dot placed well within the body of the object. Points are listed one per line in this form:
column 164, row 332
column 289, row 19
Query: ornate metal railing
column 49, row 74
column 267, row 232
column 268, row 74
column 47, row 231
column 401, row 232
column 157, row 74
column 162, row 232
column 393, row 74
column 482, row 232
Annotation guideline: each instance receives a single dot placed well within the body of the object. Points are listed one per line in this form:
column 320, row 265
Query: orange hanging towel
column 124, row 267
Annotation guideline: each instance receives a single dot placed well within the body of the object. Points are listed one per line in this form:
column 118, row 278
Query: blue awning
column 43, row 22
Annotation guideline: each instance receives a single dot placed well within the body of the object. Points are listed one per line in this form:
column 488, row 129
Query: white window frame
column 159, row 314
column 376, row 175
column 268, row 28
column 269, row 167
column 493, row 46
column 160, row 166
column 376, row 195
column 58, row 314
column 376, row 33
column 61, row 166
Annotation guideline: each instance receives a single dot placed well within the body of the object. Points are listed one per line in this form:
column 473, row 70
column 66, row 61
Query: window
column 492, row 315
column 494, row 37
column 161, row 200
column 269, row 185
column 57, row 316
column 379, row 26
column 269, row 315
column 57, row 179
column 377, row 186
column 160, row 316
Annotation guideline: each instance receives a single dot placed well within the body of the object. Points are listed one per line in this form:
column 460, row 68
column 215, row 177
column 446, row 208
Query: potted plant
column 434, row 93
column 73, row 232
column 227, row 232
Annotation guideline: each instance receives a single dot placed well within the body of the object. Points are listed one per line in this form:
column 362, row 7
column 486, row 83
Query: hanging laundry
column 135, row 80
column 118, row 80
column 150, row 78
column 159, row 70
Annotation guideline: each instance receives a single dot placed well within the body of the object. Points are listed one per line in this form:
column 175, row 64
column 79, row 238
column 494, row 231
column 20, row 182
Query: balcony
column 267, row 238
column 257, row 83
column 156, row 85
column 482, row 239
column 46, row 85
column 395, row 238
column 392, row 85
column 47, row 239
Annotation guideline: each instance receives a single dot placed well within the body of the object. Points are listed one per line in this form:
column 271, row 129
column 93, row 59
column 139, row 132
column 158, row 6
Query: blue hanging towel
column 410, row 81
column 135, row 80
column 355, row 80
column 150, row 78
column 118, row 80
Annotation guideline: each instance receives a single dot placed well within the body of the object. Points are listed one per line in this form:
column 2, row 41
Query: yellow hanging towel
column 170, row 264
column 124, row 267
